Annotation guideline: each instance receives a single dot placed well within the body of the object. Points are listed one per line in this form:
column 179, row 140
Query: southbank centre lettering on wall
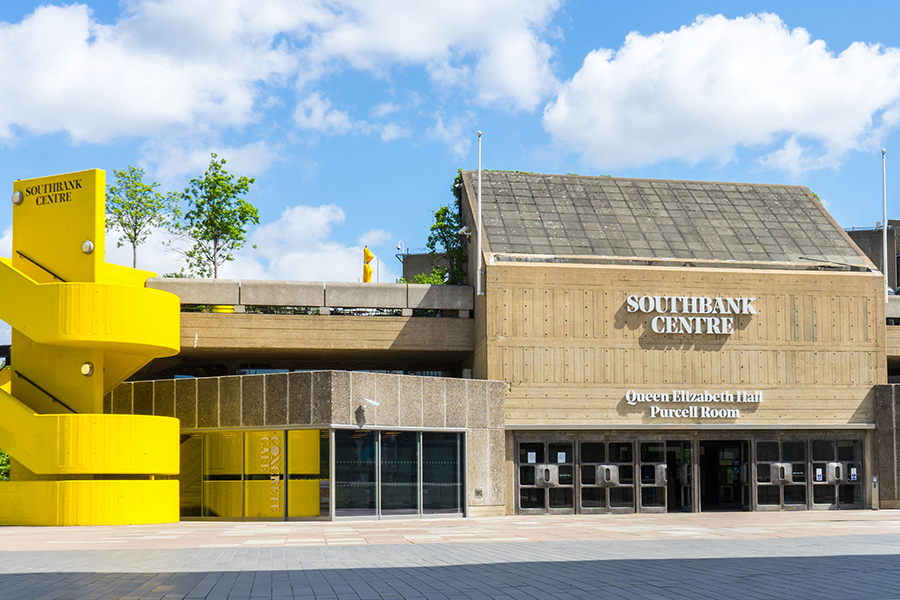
column 701, row 404
column 53, row 193
column 691, row 314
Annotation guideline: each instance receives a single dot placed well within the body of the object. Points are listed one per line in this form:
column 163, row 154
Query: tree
column 134, row 208
column 216, row 219
column 444, row 241
column 4, row 466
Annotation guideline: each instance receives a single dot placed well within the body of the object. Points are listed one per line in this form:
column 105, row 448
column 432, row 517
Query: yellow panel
column 264, row 474
column 264, row 498
column 303, row 452
column 303, row 498
column 58, row 214
column 56, row 503
column 222, row 453
column 222, row 499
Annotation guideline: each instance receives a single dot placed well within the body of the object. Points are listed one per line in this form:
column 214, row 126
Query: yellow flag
column 367, row 270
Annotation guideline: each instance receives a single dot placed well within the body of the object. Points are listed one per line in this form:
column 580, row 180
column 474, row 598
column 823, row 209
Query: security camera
column 399, row 245
column 369, row 402
column 464, row 230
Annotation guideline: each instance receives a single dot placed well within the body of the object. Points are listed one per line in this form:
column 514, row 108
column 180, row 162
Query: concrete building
column 639, row 346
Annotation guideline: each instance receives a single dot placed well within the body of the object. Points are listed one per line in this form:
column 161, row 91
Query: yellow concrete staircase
column 80, row 327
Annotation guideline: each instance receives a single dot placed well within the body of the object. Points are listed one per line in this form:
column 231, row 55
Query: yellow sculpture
column 80, row 327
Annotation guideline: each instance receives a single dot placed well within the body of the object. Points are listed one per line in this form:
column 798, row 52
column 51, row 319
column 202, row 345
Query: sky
column 354, row 115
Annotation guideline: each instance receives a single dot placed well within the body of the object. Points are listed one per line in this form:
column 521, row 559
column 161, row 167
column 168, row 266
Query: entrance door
column 837, row 473
column 721, row 479
column 680, row 475
column 653, row 477
column 781, row 475
column 546, row 478
column 606, row 477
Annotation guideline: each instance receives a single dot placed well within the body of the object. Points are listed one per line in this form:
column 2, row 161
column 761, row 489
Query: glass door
column 355, row 472
column 837, row 474
column 399, row 473
column 653, row 477
column 546, row 478
column 606, row 477
column 781, row 475
column 264, row 474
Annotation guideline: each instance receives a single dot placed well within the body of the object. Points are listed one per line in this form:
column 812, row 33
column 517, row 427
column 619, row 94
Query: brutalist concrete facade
column 335, row 399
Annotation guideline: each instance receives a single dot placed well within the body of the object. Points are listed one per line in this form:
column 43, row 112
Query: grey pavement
column 765, row 565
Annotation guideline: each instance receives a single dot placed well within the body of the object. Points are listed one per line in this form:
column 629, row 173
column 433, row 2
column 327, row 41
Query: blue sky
column 353, row 115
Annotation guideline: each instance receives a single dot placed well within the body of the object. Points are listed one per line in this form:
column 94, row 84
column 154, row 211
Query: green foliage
column 216, row 219
column 133, row 208
column 4, row 466
column 436, row 277
column 444, row 240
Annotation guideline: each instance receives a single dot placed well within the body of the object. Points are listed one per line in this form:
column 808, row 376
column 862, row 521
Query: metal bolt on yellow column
column 80, row 327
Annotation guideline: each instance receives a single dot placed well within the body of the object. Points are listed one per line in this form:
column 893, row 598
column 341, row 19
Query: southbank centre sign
column 701, row 315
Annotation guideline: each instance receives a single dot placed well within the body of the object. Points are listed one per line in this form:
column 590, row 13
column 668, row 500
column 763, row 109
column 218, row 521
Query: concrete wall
column 870, row 240
column 335, row 398
column 422, row 264
column 887, row 444
column 317, row 294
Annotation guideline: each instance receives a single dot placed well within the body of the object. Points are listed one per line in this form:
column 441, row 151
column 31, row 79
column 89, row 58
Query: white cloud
column 315, row 113
column 298, row 247
column 705, row 90
column 176, row 160
column 152, row 255
column 6, row 243
column 452, row 134
column 384, row 109
column 392, row 131
column 146, row 72
column 209, row 65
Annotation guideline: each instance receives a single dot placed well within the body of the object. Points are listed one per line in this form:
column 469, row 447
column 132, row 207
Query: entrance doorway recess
column 724, row 479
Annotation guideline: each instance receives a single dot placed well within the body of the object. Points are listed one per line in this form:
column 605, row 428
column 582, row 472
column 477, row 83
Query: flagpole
column 480, row 270
column 884, row 225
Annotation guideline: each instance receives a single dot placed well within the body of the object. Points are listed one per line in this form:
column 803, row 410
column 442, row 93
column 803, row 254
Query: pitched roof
column 559, row 215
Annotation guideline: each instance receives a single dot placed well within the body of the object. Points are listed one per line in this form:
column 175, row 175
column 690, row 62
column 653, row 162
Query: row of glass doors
column 623, row 476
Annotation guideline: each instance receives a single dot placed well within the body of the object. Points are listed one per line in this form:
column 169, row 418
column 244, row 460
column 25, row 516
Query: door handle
column 546, row 475
column 837, row 472
column 608, row 474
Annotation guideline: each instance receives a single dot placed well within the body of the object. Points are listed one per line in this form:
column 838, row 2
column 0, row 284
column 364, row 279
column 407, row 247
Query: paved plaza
column 849, row 554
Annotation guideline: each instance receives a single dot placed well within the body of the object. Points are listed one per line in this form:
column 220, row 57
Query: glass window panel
column 531, row 498
column 593, row 452
column 653, row 452
column 764, row 473
column 798, row 472
column 823, row 494
column 849, row 494
column 562, row 497
column 531, row 453
column 191, row 475
column 560, row 453
column 626, row 474
column 794, row 451
column 849, row 450
column 354, row 472
column 593, row 497
column 823, row 450
column 566, row 475
column 795, row 494
column 399, row 473
column 653, row 496
column 621, row 497
column 589, row 475
column 768, row 495
column 767, row 451
column 621, row 452
column 264, row 460
column 526, row 475
column 442, row 488
column 308, row 463
column 648, row 474
column 223, row 464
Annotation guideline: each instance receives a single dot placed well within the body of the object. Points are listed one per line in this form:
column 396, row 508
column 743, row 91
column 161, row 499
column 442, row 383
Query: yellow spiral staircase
column 80, row 327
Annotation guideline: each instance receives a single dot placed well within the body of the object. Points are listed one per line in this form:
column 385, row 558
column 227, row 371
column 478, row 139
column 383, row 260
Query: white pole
column 377, row 270
column 884, row 226
column 480, row 271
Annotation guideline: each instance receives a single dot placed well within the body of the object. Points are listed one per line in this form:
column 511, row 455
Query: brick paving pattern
column 851, row 554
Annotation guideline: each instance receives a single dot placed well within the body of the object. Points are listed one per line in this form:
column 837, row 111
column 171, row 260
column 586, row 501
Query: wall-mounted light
column 87, row 369
column 87, row 246
column 17, row 197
